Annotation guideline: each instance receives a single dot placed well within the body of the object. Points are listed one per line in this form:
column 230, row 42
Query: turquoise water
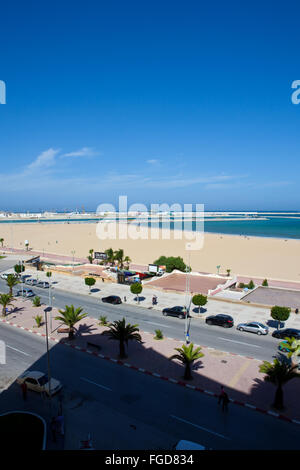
column 276, row 227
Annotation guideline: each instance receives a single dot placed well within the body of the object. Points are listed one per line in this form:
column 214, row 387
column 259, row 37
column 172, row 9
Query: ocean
column 279, row 226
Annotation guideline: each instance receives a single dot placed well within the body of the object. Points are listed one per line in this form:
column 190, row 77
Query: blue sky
column 176, row 102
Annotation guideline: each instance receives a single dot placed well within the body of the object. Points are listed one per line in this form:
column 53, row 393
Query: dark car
column 174, row 312
column 112, row 299
column 221, row 320
column 286, row 333
column 43, row 284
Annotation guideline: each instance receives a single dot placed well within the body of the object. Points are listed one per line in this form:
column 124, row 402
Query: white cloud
column 153, row 161
column 44, row 160
column 83, row 152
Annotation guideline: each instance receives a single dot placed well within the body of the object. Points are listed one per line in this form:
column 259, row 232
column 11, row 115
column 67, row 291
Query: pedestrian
column 223, row 399
column 24, row 390
column 153, row 300
column 125, row 300
column 225, row 402
column 53, row 428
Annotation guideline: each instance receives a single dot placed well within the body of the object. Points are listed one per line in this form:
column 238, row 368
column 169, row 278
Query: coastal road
column 124, row 409
column 229, row 340
column 224, row 339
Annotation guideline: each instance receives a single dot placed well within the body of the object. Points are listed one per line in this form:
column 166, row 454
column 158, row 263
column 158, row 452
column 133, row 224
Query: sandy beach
column 253, row 256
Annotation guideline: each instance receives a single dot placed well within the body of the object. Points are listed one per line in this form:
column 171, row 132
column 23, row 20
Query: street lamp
column 73, row 253
column 187, row 300
column 48, row 309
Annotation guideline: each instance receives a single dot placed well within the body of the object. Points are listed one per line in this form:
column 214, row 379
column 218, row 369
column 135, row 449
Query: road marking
column 18, row 350
column 158, row 324
column 98, row 385
column 240, row 342
column 238, row 374
column 203, row 429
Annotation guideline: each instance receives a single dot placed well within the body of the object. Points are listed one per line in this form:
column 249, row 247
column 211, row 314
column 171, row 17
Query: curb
column 155, row 374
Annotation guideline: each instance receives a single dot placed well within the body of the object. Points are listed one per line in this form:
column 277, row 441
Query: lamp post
column 73, row 253
column 48, row 309
column 187, row 300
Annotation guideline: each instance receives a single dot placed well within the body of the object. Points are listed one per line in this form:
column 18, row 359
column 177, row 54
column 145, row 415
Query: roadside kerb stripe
column 154, row 374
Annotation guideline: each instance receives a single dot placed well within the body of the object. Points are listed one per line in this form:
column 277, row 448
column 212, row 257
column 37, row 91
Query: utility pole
column 48, row 309
column 187, row 300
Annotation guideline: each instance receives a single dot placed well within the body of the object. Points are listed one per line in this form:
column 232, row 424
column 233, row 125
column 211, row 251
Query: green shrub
column 158, row 334
column 36, row 301
column 280, row 313
column 251, row 285
column 103, row 320
column 199, row 300
column 39, row 320
column 171, row 263
column 265, row 283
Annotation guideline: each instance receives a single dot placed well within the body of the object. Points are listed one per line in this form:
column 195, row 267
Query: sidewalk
column 239, row 375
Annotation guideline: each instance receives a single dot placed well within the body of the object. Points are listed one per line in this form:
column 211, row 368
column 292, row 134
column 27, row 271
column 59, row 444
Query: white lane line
column 240, row 342
column 200, row 427
column 98, row 385
column 158, row 324
column 18, row 350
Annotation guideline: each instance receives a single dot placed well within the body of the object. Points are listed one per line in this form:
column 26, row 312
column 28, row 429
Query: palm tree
column 119, row 256
column 187, row 356
column 278, row 373
column 127, row 260
column 5, row 300
column 119, row 331
column 1, row 241
column 110, row 255
column 11, row 281
column 70, row 316
column 293, row 346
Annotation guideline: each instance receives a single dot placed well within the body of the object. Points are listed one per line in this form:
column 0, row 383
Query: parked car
column 253, row 327
column 43, row 284
column 175, row 312
column 188, row 445
column 4, row 275
column 221, row 320
column 112, row 299
column 31, row 282
column 283, row 346
column 286, row 333
column 39, row 382
column 26, row 292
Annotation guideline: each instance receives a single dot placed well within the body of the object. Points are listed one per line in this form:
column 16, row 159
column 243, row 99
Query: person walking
column 24, row 390
column 125, row 300
column 223, row 399
column 225, row 402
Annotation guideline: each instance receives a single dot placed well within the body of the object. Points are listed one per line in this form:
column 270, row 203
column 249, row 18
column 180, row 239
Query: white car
column 25, row 292
column 4, row 275
column 253, row 327
column 39, row 382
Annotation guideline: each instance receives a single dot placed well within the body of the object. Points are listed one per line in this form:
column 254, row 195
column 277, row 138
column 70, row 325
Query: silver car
column 253, row 327
column 25, row 292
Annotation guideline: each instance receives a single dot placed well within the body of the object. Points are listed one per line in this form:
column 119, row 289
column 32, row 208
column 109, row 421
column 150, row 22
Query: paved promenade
column 239, row 375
